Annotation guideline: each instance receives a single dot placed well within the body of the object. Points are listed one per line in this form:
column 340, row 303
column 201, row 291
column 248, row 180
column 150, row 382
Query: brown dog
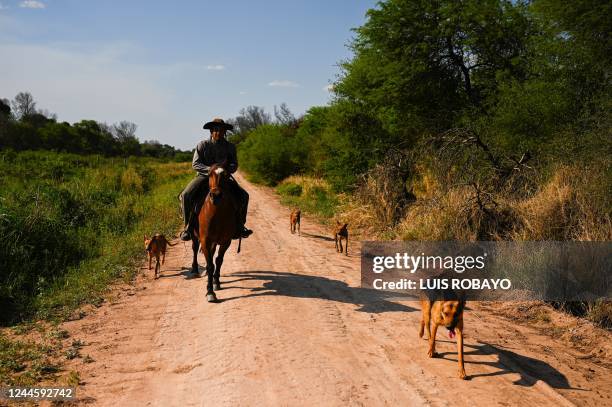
column 155, row 247
column 294, row 221
column 448, row 314
column 341, row 232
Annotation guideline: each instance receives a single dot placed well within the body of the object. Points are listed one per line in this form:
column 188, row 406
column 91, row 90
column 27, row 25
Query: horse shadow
column 306, row 286
column 529, row 369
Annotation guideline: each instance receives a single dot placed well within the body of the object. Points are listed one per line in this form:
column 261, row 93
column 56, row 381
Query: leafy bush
column 267, row 154
column 289, row 189
column 311, row 195
column 60, row 212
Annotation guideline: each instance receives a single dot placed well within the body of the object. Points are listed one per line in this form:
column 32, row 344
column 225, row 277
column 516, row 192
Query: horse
column 217, row 223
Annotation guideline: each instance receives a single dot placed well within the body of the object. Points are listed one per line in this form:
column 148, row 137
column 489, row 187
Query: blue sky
column 171, row 66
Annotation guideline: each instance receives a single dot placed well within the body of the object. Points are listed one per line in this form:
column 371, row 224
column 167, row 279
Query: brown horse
column 217, row 223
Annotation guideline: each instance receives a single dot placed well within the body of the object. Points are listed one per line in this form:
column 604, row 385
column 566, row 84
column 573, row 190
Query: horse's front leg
column 218, row 262
column 195, row 268
column 209, row 250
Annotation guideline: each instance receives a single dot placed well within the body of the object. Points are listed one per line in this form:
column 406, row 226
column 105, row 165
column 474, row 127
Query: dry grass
column 567, row 207
column 564, row 209
column 308, row 184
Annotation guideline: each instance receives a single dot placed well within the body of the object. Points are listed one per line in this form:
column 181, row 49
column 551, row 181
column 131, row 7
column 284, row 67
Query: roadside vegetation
column 73, row 223
column 457, row 120
column 75, row 201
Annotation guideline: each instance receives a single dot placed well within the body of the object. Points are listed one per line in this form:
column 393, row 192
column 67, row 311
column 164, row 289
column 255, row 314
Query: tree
column 587, row 22
column 23, row 105
column 125, row 133
column 94, row 138
column 5, row 114
column 283, row 115
column 249, row 119
column 37, row 119
column 125, row 130
column 5, row 108
column 422, row 65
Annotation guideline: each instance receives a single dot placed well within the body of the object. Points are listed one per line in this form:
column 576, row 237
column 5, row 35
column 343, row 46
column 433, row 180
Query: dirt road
column 293, row 327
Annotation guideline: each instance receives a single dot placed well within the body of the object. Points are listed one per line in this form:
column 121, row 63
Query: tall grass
column 569, row 205
column 70, row 224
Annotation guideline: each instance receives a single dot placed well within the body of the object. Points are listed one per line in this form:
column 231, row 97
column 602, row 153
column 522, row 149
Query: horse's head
column 217, row 177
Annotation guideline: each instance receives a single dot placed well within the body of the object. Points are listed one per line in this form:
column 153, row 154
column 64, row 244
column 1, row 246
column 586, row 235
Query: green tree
column 94, row 138
column 421, row 65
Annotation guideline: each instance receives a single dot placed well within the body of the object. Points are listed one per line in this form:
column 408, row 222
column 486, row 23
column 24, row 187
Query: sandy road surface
column 294, row 328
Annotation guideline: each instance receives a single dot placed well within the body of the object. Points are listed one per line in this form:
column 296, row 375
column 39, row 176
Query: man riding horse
column 217, row 150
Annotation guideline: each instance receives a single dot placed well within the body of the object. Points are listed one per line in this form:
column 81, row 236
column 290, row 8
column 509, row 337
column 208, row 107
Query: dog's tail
column 168, row 242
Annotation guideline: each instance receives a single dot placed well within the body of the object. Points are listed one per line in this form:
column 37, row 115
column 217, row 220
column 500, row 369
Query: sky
column 171, row 66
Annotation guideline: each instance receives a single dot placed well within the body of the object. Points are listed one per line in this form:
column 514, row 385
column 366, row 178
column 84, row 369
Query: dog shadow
column 320, row 237
column 530, row 370
column 306, row 286
column 183, row 271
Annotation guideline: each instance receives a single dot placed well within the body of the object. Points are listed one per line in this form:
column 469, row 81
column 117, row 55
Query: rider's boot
column 242, row 232
column 246, row 232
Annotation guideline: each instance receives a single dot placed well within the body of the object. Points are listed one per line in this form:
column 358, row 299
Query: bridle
column 219, row 174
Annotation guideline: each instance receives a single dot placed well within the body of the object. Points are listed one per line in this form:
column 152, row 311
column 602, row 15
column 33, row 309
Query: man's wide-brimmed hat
column 218, row 122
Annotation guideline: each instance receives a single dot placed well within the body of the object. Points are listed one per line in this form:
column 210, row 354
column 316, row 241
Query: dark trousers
column 194, row 193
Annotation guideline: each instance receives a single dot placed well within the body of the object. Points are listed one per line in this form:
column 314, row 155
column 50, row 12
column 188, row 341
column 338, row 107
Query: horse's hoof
column 211, row 297
column 217, row 286
column 195, row 274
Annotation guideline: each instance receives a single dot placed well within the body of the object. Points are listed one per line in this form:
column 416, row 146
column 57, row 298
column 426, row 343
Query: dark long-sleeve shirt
column 209, row 152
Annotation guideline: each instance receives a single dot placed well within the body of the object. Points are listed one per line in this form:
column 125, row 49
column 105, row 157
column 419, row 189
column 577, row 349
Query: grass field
column 71, row 225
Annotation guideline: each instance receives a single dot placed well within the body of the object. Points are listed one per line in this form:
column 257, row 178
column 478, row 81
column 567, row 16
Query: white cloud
column 284, row 84
column 328, row 88
column 3, row 7
column 215, row 67
column 242, row 92
column 32, row 4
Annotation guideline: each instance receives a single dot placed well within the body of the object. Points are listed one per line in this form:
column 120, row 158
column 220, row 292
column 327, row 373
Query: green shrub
column 311, row 195
column 267, row 154
column 289, row 189
column 70, row 223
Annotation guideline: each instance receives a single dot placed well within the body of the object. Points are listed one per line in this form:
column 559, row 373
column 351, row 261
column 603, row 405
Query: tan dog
column 341, row 232
column 156, row 246
column 448, row 314
column 294, row 221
